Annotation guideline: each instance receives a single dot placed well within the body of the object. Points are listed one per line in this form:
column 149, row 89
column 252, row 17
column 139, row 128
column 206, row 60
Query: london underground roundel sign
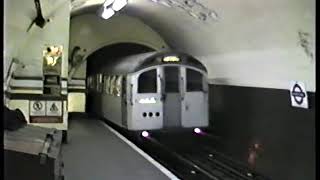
column 299, row 96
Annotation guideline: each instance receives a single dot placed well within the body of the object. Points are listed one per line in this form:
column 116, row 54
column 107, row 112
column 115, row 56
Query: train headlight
column 197, row 130
column 145, row 134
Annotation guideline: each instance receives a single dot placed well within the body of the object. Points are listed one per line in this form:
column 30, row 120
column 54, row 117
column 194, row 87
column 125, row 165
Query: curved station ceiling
column 245, row 43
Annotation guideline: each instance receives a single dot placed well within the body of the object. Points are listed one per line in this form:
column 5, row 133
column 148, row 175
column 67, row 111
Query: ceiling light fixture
column 119, row 4
column 107, row 13
column 108, row 3
column 110, row 6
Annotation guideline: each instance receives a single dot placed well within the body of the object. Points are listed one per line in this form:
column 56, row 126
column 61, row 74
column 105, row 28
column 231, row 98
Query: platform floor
column 94, row 152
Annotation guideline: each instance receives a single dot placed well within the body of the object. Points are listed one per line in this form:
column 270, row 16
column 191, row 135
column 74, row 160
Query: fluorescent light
column 108, row 3
column 119, row 4
column 171, row 59
column 107, row 13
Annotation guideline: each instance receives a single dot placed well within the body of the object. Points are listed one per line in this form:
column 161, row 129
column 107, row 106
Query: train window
column 91, row 82
column 107, row 85
column 118, row 85
column 99, row 84
column 113, row 85
column 147, row 82
column 171, row 79
column 88, row 82
column 194, row 80
column 94, row 82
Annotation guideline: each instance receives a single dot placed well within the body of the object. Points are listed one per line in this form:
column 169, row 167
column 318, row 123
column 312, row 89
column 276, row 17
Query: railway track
column 204, row 160
column 191, row 157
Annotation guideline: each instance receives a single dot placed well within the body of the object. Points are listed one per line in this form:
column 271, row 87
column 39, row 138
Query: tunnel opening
column 99, row 59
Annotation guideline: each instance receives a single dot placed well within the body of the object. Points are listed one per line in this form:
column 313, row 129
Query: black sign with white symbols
column 299, row 97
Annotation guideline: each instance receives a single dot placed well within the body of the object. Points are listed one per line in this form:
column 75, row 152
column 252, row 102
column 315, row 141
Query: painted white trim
column 26, row 83
column 77, row 82
column 76, row 87
column 26, row 91
column 142, row 153
column 64, row 84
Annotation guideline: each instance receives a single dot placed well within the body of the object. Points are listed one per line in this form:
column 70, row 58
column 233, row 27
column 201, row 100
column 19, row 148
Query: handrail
column 11, row 70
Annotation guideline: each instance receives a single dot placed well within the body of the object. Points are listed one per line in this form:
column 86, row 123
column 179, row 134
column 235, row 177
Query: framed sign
column 37, row 108
column 54, row 108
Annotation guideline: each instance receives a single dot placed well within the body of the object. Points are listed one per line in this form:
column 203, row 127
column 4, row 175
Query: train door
column 171, row 97
column 194, row 106
column 145, row 107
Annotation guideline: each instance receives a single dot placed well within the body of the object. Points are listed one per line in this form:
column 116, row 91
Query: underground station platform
column 93, row 151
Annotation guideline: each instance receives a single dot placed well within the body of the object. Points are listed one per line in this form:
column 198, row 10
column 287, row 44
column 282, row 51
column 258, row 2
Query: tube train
column 151, row 91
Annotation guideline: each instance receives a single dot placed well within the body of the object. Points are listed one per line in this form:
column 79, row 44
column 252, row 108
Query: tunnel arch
column 91, row 34
column 110, row 44
column 99, row 57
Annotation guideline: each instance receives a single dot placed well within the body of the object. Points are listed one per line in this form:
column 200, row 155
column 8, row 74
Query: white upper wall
column 26, row 46
column 254, row 43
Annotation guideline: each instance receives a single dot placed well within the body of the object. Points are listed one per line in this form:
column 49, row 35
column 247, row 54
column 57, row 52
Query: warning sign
column 299, row 96
column 54, row 108
column 37, row 108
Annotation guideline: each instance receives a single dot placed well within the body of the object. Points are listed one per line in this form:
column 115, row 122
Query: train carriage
column 156, row 90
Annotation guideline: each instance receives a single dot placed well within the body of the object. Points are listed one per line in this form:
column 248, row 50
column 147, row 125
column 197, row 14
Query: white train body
column 159, row 90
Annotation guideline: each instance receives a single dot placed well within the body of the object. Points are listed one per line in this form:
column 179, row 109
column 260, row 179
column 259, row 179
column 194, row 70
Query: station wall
column 26, row 46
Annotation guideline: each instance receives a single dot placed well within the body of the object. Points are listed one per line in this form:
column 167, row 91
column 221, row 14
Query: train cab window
column 88, row 82
column 147, row 82
column 194, row 81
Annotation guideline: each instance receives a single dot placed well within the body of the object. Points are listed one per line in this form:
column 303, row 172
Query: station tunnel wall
column 244, row 116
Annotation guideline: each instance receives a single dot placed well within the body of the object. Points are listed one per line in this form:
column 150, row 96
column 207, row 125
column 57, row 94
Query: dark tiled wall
column 242, row 116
